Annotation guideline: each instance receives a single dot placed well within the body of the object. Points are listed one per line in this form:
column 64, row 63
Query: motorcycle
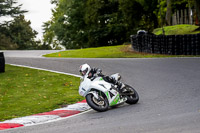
column 100, row 95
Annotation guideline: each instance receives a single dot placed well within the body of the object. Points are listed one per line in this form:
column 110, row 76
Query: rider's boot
column 120, row 86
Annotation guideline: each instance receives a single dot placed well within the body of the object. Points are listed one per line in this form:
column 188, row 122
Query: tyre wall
column 167, row 44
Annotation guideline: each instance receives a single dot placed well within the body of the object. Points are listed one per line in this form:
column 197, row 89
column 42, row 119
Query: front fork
column 95, row 94
column 99, row 96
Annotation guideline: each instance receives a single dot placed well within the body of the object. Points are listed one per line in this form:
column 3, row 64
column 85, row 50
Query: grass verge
column 178, row 30
column 121, row 51
column 25, row 91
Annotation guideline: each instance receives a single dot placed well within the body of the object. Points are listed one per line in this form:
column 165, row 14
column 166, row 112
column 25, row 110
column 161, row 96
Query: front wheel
column 132, row 97
column 100, row 104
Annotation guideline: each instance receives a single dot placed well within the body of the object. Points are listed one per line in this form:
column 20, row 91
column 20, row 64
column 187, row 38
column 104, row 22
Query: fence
column 185, row 16
column 169, row 44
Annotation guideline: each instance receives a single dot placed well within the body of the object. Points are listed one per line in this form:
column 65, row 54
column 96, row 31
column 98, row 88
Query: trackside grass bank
column 121, row 51
column 178, row 30
column 25, row 91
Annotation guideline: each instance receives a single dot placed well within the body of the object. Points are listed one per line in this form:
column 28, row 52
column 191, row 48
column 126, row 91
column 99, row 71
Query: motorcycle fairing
column 103, row 86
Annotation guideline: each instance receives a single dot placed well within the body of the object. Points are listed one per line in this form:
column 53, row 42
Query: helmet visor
column 83, row 73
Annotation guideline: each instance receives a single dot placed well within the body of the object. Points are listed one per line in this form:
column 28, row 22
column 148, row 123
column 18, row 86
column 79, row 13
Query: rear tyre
column 98, row 105
column 133, row 97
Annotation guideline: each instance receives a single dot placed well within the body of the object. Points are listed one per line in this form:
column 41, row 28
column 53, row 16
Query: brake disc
column 99, row 102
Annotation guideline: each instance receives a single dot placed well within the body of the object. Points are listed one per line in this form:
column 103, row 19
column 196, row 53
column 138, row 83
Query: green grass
column 101, row 52
column 178, row 30
column 25, row 91
column 121, row 51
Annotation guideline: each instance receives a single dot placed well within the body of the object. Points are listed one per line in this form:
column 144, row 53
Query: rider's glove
column 99, row 72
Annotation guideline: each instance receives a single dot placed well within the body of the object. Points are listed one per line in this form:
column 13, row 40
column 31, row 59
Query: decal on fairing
column 111, row 95
column 102, row 86
column 115, row 101
column 107, row 94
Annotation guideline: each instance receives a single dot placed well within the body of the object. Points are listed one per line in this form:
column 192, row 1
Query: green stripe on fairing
column 107, row 95
column 115, row 101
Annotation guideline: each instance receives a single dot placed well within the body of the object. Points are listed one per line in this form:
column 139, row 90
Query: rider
column 85, row 69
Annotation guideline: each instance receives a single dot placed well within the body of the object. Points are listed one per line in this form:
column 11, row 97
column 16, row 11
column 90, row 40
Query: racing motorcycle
column 100, row 95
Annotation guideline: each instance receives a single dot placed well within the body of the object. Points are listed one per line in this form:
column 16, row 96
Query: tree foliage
column 92, row 23
column 6, row 43
column 104, row 23
column 16, row 33
column 197, row 6
column 9, row 8
column 21, row 33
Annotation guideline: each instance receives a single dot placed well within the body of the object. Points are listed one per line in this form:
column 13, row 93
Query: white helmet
column 84, row 69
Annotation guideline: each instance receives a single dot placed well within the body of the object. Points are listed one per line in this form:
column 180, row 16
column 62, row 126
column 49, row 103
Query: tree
column 67, row 25
column 8, row 8
column 197, row 6
column 6, row 43
column 91, row 23
column 104, row 23
column 49, row 36
column 149, row 19
column 169, row 12
column 21, row 33
column 168, row 7
column 17, row 33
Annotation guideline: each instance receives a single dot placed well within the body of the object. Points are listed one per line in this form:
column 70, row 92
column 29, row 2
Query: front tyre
column 132, row 97
column 96, row 104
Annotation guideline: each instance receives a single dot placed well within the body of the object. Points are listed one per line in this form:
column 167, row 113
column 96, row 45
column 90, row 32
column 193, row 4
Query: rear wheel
column 132, row 97
column 100, row 104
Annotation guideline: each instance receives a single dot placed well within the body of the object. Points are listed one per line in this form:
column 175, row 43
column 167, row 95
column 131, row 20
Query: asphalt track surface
column 169, row 90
